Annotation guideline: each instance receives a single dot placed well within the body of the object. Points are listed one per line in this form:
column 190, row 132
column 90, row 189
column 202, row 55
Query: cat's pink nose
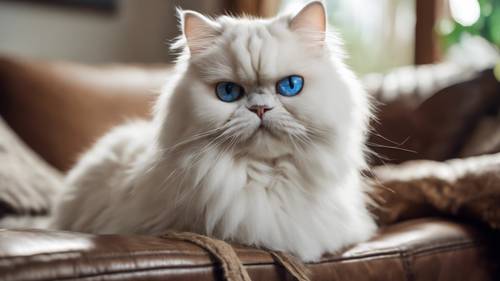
column 259, row 110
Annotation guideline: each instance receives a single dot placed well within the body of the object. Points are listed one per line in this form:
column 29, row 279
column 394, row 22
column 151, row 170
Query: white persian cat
column 259, row 139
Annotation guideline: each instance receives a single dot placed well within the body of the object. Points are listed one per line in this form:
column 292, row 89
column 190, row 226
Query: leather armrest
column 426, row 249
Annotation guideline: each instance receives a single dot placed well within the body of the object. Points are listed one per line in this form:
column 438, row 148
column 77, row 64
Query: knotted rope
column 229, row 261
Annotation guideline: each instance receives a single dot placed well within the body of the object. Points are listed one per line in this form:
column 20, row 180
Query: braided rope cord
column 229, row 261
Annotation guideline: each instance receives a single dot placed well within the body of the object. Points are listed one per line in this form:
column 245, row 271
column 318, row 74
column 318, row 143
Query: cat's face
column 268, row 86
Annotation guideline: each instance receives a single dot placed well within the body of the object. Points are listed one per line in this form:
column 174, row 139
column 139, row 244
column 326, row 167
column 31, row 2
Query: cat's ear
column 310, row 19
column 198, row 30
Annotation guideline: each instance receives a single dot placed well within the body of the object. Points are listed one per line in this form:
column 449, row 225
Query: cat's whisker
column 216, row 142
column 392, row 147
column 193, row 138
column 315, row 132
column 164, row 183
column 179, row 197
column 290, row 132
column 297, row 147
column 164, row 153
column 304, row 141
column 389, row 140
column 198, row 137
column 232, row 141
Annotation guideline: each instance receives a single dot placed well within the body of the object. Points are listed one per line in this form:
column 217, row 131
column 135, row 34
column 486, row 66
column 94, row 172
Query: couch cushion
column 434, row 121
column 59, row 109
column 27, row 183
column 426, row 249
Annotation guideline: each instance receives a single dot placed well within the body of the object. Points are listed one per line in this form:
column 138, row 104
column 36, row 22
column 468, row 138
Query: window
column 379, row 35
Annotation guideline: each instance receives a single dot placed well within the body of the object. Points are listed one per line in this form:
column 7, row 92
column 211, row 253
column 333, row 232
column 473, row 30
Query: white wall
column 137, row 32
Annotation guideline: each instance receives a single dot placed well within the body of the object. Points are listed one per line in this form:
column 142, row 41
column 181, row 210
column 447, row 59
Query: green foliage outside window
column 486, row 26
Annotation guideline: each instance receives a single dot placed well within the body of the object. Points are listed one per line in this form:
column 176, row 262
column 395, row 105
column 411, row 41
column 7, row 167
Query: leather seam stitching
column 448, row 249
column 407, row 266
column 444, row 247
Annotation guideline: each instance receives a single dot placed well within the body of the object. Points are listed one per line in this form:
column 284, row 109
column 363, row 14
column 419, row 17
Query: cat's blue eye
column 290, row 86
column 228, row 91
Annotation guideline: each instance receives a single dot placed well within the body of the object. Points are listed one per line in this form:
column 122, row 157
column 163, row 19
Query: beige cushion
column 27, row 183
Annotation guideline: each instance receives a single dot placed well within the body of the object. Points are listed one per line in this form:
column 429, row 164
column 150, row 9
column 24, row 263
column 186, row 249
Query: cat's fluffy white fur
column 288, row 182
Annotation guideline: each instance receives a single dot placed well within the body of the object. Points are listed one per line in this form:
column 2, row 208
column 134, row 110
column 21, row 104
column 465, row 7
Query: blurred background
column 379, row 34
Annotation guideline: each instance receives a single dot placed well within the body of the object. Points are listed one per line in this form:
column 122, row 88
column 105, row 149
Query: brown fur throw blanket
column 458, row 122
column 468, row 188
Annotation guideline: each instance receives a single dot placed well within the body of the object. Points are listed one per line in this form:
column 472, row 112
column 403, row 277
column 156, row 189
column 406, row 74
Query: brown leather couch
column 59, row 109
